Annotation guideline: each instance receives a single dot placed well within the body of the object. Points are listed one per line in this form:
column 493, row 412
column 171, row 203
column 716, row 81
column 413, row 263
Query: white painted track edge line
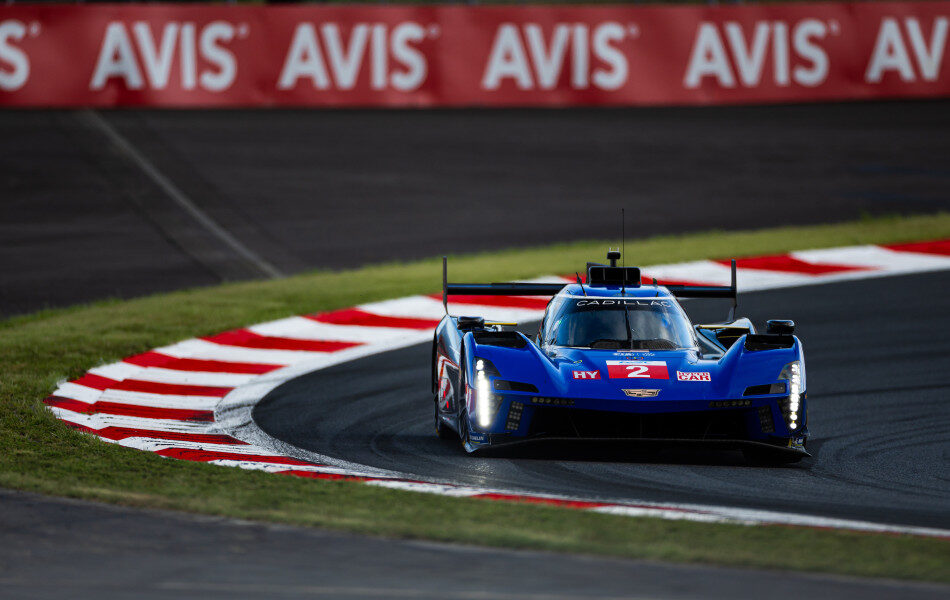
column 179, row 197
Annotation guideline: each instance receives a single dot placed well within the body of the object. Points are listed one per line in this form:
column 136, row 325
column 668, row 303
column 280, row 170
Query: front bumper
column 744, row 422
column 789, row 447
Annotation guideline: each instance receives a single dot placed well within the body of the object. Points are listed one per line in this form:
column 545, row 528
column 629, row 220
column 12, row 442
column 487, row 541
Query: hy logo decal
column 586, row 374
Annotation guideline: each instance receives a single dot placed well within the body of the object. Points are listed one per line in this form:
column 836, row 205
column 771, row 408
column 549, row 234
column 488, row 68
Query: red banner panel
column 215, row 55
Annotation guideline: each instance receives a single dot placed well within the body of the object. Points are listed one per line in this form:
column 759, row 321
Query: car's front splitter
column 490, row 442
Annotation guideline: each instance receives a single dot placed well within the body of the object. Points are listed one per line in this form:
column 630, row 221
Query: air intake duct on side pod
column 505, row 339
column 765, row 388
column 767, row 341
column 515, row 386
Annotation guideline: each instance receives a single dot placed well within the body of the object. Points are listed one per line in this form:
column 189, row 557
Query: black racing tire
column 443, row 431
column 463, row 434
column 463, row 413
column 460, row 402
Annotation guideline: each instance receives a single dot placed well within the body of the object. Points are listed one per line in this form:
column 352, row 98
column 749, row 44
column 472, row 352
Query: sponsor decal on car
column 446, row 390
column 693, row 376
column 625, row 302
column 641, row 393
column 586, row 374
column 644, row 369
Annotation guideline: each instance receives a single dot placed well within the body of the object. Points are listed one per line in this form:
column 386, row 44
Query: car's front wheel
column 464, row 434
column 443, row 431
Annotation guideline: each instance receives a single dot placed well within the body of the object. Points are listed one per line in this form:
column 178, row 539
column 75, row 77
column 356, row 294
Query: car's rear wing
column 551, row 289
column 493, row 289
column 711, row 291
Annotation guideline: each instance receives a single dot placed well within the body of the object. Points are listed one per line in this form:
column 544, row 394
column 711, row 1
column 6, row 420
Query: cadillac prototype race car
column 617, row 358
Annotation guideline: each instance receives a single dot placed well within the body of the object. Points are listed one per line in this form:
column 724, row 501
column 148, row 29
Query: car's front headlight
column 793, row 374
column 482, row 394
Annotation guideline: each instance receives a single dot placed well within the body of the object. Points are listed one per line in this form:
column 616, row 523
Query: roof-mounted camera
column 613, row 256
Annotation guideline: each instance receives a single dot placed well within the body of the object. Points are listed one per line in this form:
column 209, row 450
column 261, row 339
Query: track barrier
column 212, row 55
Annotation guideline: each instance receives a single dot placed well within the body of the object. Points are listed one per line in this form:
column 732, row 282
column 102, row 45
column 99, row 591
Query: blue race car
column 617, row 358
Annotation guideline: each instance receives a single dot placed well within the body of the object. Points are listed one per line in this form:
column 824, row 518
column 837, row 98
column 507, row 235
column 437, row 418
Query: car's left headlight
column 482, row 394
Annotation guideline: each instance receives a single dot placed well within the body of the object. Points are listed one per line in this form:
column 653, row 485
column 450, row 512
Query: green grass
column 41, row 454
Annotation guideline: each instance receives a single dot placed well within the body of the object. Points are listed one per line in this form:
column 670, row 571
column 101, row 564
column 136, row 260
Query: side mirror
column 468, row 323
column 780, row 326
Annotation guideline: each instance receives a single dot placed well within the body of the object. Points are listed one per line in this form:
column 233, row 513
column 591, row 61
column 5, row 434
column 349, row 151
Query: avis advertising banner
column 363, row 55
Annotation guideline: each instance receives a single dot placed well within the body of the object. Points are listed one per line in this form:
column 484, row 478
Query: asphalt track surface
column 103, row 204
column 50, row 553
column 877, row 382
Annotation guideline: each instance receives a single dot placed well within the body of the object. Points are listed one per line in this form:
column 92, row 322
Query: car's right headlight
column 793, row 374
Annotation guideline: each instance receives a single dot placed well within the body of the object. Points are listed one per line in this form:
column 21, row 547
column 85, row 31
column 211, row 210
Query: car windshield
column 620, row 323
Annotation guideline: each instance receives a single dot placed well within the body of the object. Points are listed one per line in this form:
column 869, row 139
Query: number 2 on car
column 643, row 369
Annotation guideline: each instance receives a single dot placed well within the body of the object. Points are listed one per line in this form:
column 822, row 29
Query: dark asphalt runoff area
column 878, row 385
column 56, row 549
column 123, row 203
